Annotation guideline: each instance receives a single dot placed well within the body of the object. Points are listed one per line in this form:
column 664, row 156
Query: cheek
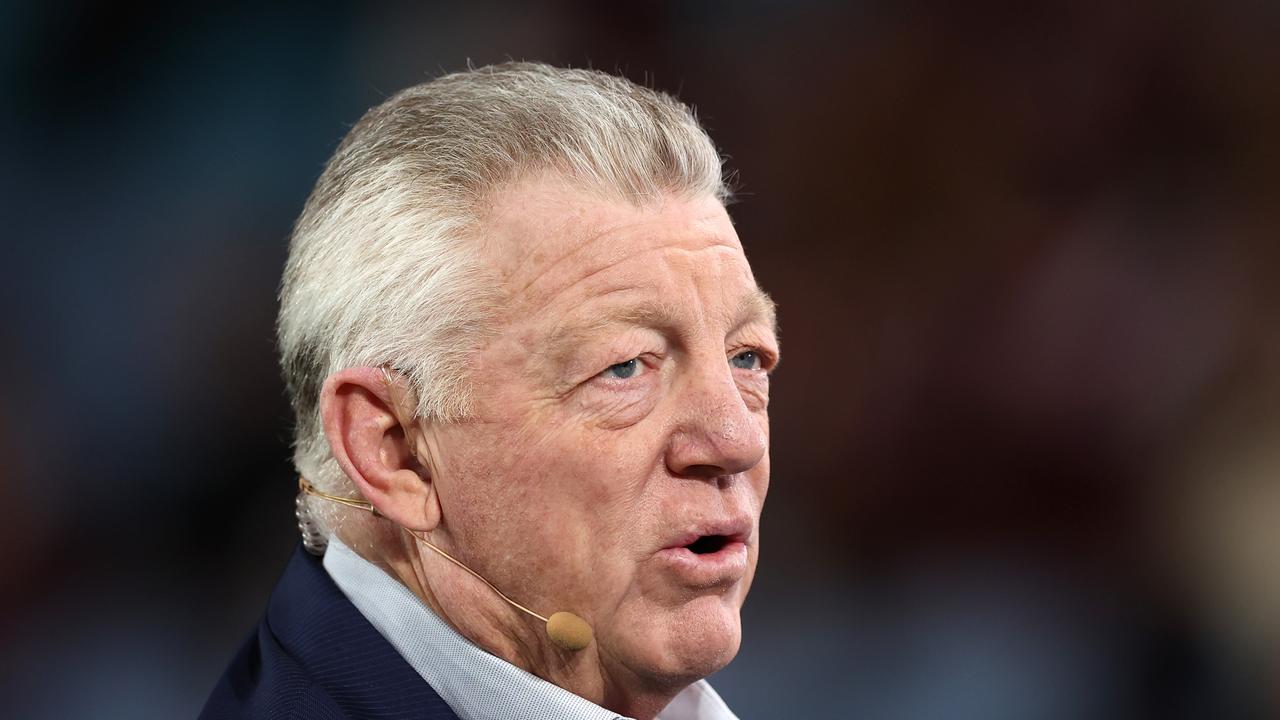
column 490, row 474
column 594, row 510
column 606, row 474
column 572, row 485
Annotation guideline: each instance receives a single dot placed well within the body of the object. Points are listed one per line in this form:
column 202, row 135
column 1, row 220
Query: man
column 529, row 364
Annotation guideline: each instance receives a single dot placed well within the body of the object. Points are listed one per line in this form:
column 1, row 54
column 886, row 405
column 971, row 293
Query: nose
column 715, row 434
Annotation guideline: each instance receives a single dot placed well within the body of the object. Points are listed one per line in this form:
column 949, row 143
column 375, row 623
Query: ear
column 365, row 422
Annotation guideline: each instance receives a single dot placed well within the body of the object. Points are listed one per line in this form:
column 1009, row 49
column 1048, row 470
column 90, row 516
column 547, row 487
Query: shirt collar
column 474, row 683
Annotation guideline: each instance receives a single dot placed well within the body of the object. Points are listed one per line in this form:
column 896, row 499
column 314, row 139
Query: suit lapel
column 341, row 652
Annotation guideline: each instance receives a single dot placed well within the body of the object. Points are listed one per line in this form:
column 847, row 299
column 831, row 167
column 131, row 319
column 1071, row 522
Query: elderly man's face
column 618, row 458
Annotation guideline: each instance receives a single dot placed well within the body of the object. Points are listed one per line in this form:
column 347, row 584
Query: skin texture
column 578, row 469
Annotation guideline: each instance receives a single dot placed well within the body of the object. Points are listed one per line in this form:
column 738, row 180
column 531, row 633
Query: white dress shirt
column 475, row 684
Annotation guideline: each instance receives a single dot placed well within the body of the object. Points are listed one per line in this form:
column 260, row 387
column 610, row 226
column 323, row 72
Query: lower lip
column 724, row 566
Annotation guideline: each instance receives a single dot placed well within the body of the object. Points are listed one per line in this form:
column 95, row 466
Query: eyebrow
column 755, row 306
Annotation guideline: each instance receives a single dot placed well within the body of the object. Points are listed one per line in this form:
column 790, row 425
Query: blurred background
column 1025, row 435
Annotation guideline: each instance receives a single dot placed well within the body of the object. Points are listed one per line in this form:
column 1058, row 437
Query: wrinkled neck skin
column 473, row 609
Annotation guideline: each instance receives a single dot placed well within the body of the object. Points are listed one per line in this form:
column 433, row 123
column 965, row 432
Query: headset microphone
column 566, row 630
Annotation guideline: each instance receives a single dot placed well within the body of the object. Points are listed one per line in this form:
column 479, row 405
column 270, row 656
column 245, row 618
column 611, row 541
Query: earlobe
column 367, row 434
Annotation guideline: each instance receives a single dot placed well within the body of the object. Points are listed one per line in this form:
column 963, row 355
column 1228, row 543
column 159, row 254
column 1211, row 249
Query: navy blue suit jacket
column 315, row 656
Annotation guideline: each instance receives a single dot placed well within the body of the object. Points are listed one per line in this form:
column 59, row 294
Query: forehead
column 545, row 236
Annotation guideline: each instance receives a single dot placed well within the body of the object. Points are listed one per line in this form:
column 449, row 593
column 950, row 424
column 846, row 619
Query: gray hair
column 381, row 270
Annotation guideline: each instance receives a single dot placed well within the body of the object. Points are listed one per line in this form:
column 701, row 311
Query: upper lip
column 736, row 529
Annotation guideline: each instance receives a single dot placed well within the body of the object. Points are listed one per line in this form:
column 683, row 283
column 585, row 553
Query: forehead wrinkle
column 581, row 247
column 614, row 264
column 692, row 238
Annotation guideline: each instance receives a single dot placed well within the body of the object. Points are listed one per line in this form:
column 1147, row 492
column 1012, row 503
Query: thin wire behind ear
column 408, row 435
column 313, row 539
column 566, row 630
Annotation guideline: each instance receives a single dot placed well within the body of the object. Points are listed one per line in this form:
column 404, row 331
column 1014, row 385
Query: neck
column 472, row 609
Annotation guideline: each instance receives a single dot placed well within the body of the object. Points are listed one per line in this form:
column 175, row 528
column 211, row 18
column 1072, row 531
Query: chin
column 682, row 644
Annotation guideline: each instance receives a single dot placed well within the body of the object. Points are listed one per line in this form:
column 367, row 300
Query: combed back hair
column 382, row 269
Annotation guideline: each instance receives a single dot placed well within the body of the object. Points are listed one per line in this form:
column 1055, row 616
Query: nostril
column 707, row 544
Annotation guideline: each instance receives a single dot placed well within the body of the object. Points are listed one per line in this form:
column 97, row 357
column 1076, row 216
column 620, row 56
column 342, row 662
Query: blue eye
column 623, row 370
column 749, row 360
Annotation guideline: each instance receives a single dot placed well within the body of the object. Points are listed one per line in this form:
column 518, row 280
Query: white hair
column 381, row 270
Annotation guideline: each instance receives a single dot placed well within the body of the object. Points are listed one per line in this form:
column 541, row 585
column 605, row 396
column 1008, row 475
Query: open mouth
column 712, row 559
column 707, row 544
